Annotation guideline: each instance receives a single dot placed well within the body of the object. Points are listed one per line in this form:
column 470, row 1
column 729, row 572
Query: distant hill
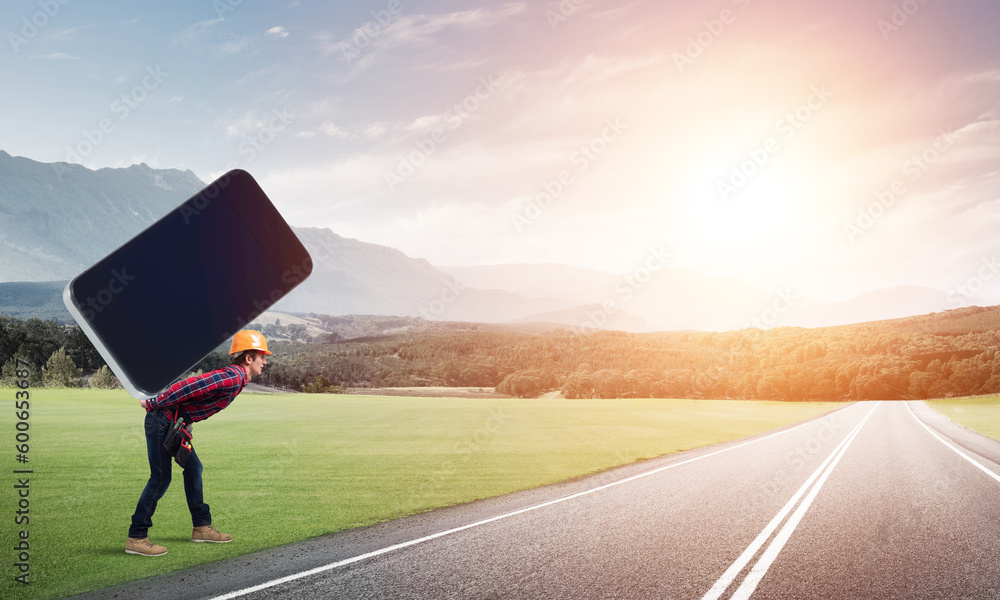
column 573, row 284
column 34, row 300
column 958, row 322
column 57, row 219
column 678, row 298
column 354, row 277
column 588, row 318
column 946, row 354
column 351, row 277
column 888, row 303
column 670, row 298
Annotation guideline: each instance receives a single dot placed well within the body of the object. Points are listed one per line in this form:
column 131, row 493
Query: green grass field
column 282, row 468
column 979, row 414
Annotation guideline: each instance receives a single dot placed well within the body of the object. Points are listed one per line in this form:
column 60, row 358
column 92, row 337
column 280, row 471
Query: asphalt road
column 877, row 500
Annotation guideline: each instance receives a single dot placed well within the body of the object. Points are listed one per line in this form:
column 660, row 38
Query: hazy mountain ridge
column 36, row 299
column 590, row 317
column 573, row 284
column 353, row 277
column 680, row 298
column 57, row 219
column 888, row 303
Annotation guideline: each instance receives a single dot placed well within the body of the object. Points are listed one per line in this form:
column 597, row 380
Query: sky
column 825, row 147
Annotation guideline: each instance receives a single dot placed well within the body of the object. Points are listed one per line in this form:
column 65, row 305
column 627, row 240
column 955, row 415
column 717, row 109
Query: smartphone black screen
column 169, row 296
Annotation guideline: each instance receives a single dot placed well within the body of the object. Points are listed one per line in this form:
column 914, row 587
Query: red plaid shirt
column 203, row 395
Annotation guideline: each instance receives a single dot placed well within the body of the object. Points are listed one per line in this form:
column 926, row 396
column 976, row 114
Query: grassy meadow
column 979, row 414
column 282, row 468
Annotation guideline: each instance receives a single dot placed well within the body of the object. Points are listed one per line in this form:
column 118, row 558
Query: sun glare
column 743, row 218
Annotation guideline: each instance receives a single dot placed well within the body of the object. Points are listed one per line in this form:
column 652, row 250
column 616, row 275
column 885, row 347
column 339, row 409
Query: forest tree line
column 941, row 355
column 954, row 353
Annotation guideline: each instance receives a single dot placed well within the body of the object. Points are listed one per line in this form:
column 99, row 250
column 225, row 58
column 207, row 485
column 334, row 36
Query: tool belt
column 177, row 442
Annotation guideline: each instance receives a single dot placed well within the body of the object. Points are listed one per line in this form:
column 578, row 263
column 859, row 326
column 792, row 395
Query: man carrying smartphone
column 195, row 399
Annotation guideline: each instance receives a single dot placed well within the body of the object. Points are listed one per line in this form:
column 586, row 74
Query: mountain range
column 57, row 219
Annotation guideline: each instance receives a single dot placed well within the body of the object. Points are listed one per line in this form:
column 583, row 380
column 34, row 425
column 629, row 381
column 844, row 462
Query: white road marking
column 960, row 453
column 400, row 546
column 759, row 569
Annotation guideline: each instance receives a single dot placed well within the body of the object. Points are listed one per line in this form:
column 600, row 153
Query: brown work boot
column 143, row 547
column 206, row 533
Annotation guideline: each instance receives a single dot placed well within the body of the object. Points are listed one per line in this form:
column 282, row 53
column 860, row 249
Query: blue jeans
column 160, row 464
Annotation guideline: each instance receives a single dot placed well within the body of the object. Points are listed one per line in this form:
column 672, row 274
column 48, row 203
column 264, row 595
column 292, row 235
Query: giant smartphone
column 169, row 296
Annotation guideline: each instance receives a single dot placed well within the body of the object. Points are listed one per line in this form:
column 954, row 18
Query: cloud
column 375, row 130
column 372, row 40
column 195, row 34
column 326, row 192
column 69, row 32
column 331, row 129
column 203, row 36
column 990, row 76
column 422, row 29
column 236, row 46
column 57, row 56
column 250, row 123
column 277, row 31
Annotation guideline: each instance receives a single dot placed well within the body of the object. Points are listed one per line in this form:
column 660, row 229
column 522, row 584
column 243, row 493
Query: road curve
column 876, row 500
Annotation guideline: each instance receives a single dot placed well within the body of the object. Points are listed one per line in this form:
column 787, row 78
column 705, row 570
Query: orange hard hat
column 248, row 339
